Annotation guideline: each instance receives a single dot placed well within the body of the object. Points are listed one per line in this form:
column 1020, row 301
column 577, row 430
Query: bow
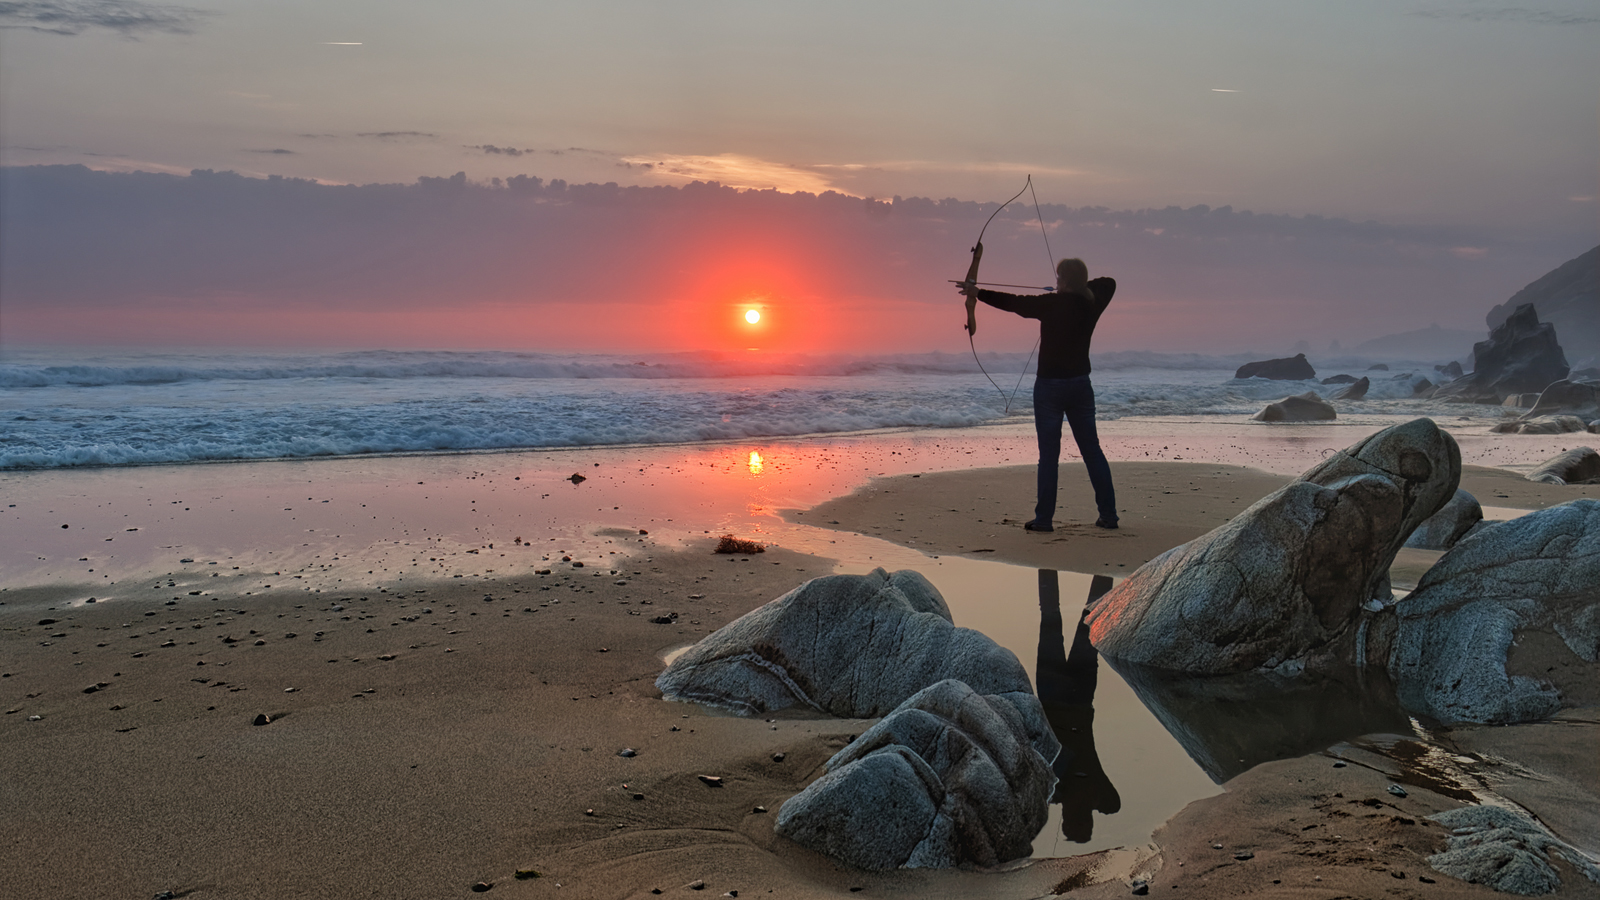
column 969, row 283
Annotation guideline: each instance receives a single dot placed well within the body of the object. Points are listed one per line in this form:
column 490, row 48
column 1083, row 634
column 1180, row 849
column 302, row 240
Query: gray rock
column 1542, row 425
column 1340, row 379
column 1580, row 465
column 1521, row 354
column 950, row 777
column 1423, row 389
column 1355, row 391
column 1284, row 582
column 1447, row 643
column 1292, row 368
column 1566, row 396
column 1450, row 370
column 1520, row 401
column 1594, row 427
column 854, row 646
column 1307, row 407
column 1444, row 528
column 1506, row 849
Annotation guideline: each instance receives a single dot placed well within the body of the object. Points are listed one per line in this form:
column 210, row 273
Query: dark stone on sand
column 261, row 719
column 575, row 478
column 712, row 780
column 1244, row 855
column 1139, row 888
column 1542, row 425
column 47, row 621
column 778, row 757
column 1307, row 407
column 1356, row 390
column 482, row 886
column 1292, row 368
column 627, row 753
column 1580, row 465
column 1397, row 790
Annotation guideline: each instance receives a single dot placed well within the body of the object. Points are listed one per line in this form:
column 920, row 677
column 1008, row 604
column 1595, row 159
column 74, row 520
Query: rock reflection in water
column 1066, row 683
column 1231, row 723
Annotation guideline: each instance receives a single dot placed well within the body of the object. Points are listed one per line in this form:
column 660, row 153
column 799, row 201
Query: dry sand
column 416, row 754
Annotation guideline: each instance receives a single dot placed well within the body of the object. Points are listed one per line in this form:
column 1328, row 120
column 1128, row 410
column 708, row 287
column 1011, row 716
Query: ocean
column 62, row 409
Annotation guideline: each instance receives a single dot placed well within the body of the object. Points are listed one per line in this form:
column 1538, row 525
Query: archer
column 1061, row 389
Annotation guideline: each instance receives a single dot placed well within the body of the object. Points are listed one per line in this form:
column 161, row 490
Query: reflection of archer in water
column 1066, row 689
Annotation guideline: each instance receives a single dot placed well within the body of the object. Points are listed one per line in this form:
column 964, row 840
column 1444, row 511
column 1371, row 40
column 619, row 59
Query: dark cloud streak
column 71, row 17
column 1510, row 14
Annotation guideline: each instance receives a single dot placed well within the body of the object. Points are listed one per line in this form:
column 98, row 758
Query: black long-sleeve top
column 1066, row 324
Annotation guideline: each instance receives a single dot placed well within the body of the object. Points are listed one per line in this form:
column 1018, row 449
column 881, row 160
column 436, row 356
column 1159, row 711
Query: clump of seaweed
column 731, row 544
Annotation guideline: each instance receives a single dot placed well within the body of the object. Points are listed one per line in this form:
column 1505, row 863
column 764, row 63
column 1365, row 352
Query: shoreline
column 477, row 748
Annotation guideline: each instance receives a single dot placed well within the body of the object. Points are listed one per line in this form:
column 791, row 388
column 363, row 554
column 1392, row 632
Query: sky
column 1457, row 143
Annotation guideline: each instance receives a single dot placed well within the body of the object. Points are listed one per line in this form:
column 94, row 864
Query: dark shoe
column 1102, row 523
column 1038, row 526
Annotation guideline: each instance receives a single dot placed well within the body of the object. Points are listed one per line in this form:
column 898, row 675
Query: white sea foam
column 64, row 410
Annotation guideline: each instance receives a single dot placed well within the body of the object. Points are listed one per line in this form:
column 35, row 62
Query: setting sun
column 752, row 316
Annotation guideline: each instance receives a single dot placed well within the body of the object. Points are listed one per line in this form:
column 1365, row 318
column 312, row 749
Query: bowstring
column 1051, row 254
column 1027, row 186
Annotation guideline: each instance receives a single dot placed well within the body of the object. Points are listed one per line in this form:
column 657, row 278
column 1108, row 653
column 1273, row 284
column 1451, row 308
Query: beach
column 449, row 654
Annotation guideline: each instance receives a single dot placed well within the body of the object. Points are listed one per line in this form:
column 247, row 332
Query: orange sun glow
column 752, row 316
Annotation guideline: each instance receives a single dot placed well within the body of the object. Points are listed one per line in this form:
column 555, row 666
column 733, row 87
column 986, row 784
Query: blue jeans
column 1072, row 399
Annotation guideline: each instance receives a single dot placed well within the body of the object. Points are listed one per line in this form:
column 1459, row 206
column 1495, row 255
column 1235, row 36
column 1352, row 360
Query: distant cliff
column 1568, row 297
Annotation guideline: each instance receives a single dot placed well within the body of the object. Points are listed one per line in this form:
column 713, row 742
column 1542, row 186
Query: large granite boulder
column 1284, row 583
column 1580, row 465
column 1356, row 390
column 1521, row 355
column 1448, row 642
column 1293, row 368
column 854, row 646
column 949, row 777
column 1307, row 407
column 1444, row 528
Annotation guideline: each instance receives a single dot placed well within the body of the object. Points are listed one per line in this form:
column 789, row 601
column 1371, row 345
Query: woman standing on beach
column 1061, row 389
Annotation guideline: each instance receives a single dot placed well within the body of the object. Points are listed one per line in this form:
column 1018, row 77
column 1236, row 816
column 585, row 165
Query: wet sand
column 454, row 723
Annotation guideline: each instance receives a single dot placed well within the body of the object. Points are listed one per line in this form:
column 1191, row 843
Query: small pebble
column 1216, row 846
column 36, row 718
column 760, row 809
column 588, row 812
column 1244, row 854
column 1425, row 879
column 1396, row 873
column 525, row 874
column 1397, row 790
column 638, row 796
column 482, row 886
column 1339, row 764
column 627, row 752
column 1140, row 888
column 261, row 719
column 778, row 757
column 712, row 780
column 697, row 885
